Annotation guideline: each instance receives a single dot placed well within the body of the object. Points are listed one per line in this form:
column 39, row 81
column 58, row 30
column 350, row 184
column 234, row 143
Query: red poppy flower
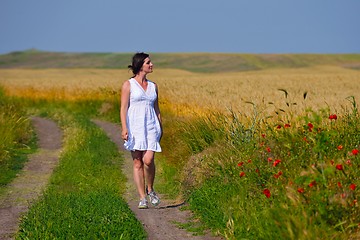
column 240, row 164
column 339, row 184
column 278, row 174
column 355, row 151
column 268, row 149
column 242, row 174
column 352, row 186
column 269, row 159
column 267, row 193
column 301, row 190
column 287, row 125
column 278, row 126
column 348, row 162
column 276, row 162
column 332, row 117
column 313, row 183
column 339, row 167
column 263, row 135
column 340, row 147
column 311, row 126
column 249, row 161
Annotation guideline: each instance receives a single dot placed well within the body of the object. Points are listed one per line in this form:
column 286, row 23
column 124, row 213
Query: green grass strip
column 93, row 215
column 16, row 138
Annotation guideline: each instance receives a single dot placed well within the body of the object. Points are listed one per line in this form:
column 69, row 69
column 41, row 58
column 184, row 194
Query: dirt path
column 32, row 179
column 157, row 221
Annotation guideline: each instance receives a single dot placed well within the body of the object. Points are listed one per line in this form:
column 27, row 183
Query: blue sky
column 230, row 26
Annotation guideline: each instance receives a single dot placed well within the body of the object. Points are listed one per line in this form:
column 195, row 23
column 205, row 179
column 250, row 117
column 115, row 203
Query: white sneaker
column 143, row 204
column 153, row 197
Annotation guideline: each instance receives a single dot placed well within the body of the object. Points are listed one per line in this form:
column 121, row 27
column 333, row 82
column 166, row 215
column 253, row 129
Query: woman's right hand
column 124, row 134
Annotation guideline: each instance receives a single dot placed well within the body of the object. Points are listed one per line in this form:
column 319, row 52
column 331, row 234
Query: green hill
column 195, row 62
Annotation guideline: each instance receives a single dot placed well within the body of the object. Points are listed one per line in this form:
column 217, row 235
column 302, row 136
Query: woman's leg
column 149, row 167
column 138, row 172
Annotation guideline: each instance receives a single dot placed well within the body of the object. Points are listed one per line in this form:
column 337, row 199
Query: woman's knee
column 149, row 158
column 149, row 162
column 138, row 163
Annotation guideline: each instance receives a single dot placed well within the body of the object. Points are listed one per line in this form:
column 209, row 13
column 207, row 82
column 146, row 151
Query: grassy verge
column 293, row 177
column 16, row 141
column 83, row 199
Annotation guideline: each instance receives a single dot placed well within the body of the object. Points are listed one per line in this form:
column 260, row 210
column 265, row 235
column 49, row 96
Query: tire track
column 32, row 179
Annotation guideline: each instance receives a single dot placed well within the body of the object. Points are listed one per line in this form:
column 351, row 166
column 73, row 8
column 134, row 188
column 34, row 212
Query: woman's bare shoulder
column 126, row 84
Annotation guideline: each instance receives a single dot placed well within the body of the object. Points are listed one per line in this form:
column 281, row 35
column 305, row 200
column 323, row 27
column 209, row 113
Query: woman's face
column 147, row 67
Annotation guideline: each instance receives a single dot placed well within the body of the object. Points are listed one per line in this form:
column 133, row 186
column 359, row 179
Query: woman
column 141, row 126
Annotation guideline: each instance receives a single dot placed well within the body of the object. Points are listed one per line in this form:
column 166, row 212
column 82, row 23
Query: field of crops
column 324, row 86
column 276, row 157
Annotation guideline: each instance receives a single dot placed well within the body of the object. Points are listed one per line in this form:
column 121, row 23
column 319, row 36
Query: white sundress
column 143, row 125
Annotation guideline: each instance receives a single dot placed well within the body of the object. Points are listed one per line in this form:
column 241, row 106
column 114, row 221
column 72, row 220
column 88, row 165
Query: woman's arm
column 157, row 110
column 125, row 98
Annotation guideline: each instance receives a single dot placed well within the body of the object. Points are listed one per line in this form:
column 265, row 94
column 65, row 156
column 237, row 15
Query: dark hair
column 137, row 62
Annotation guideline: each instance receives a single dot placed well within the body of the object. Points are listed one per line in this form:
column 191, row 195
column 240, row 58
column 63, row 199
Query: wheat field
column 325, row 86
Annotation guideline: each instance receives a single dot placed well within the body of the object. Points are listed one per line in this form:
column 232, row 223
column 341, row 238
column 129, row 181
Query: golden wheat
column 326, row 86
